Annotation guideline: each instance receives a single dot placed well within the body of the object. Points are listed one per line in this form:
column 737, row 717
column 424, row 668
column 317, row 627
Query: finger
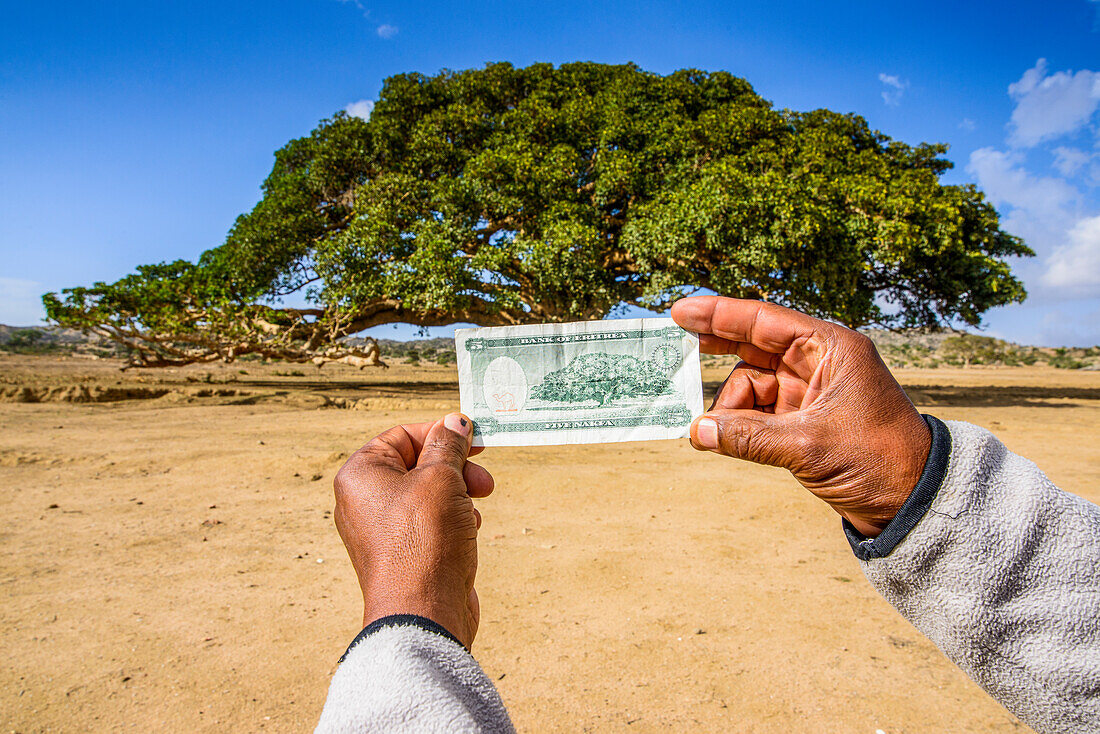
column 719, row 391
column 407, row 441
column 447, row 442
column 820, row 378
column 477, row 519
column 735, row 392
column 711, row 344
column 394, row 450
column 792, row 393
column 758, row 357
column 479, row 482
column 764, row 325
column 747, row 387
column 764, row 438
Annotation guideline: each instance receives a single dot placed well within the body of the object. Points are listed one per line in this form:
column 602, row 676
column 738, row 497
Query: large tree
column 507, row 196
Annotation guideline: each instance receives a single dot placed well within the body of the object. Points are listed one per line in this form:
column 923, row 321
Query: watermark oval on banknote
column 505, row 386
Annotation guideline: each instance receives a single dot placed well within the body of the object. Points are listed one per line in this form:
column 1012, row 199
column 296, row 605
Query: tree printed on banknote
column 584, row 382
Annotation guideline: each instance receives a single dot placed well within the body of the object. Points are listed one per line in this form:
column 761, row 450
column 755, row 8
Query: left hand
column 404, row 511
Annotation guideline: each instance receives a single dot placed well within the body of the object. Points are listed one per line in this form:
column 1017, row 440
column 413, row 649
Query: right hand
column 812, row 397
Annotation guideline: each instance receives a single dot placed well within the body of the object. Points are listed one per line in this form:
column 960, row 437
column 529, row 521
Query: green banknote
column 583, row 382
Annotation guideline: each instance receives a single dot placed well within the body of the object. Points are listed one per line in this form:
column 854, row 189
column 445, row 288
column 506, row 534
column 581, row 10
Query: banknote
column 583, row 382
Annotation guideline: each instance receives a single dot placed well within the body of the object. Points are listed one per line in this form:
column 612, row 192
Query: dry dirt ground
column 170, row 563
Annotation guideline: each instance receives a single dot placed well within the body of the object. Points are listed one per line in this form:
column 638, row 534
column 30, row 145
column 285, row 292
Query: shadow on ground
column 990, row 396
column 375, row 388
column 1000, row 396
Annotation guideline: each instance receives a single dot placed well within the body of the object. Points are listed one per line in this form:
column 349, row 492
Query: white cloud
column 1047, row 213
column 967, row 124
column 360, row 109
column 895, row 88
column 1069, row 161
column 1050, row 106
column 384, row 30
column 1075, row 266
column 21, row 302
column 1045, row 194
column 1005, row 181
column 359, row 6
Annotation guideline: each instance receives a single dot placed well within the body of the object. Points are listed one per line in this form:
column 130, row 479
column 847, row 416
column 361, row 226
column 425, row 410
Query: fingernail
column 458, row 423
column 706, row 433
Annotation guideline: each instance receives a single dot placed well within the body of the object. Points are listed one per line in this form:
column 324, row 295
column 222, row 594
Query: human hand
column 812, row 397
column 404, row 512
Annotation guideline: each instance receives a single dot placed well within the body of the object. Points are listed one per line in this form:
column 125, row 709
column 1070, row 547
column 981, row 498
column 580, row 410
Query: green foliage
column 967, row 349
column 1064, row 361
column 506, row 195
column 603, row 378
column 26, row 340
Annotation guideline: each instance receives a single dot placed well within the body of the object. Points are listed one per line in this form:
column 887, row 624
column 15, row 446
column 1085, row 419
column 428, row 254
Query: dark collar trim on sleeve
column 915, row 507
column 402, row 620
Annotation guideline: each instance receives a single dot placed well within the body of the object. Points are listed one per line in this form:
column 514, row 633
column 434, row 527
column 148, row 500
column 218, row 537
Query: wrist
column 426, row 605
column 905, row 453
column 916, row 505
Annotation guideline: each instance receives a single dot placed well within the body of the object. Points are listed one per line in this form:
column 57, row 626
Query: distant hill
column 51, row 334
column 898, row 349
column 933, row 349
column 440, row 350
column 54, row 339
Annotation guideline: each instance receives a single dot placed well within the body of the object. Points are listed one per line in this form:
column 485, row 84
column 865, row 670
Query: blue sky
column 136, row 132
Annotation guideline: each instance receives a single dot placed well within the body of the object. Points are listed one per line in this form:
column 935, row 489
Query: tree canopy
column 505, row 196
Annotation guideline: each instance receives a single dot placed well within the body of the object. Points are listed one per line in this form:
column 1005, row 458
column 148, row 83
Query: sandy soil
column 170, row 563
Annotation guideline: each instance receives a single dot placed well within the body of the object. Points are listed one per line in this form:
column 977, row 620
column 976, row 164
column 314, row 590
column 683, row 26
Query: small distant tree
column 1063, row 360
column 508, row 196
column 970, row 349
column 25, row 340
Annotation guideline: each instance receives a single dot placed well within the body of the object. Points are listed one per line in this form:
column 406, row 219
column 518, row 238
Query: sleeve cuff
column 401, row 620
column 917, row 504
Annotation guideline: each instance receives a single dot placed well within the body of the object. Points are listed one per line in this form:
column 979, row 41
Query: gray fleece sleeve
column 1002, row 573
column 409, row 675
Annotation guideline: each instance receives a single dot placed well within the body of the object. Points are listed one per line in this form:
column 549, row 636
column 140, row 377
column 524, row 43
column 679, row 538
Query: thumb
column 763, row 438
column 447, row 442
